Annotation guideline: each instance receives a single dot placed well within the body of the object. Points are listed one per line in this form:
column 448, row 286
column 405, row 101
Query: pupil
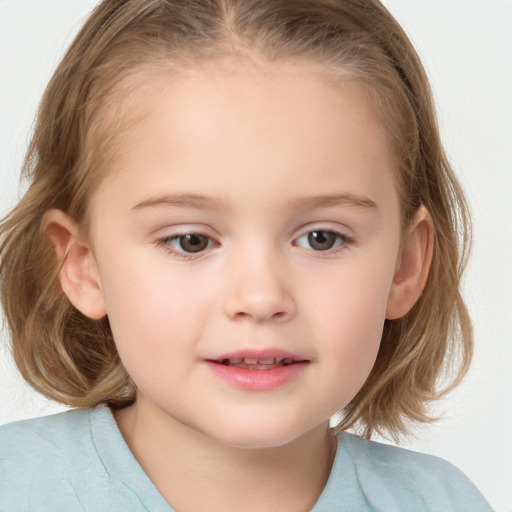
column 321, row 240
column 193, row 243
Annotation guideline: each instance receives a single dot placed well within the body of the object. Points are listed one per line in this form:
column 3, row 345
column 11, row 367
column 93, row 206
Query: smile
column 257, row 364
column 257, row 372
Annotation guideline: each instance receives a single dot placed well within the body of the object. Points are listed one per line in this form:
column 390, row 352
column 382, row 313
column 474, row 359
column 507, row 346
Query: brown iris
column 193, row 242
column 321, row 240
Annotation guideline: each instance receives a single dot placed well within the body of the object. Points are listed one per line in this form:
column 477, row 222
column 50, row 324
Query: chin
column 259, row 436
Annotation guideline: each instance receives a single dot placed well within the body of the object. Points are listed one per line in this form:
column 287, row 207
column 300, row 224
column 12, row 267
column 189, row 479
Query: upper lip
column 259, row 354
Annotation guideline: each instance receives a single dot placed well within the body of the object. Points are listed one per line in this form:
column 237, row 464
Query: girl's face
column 245, row 247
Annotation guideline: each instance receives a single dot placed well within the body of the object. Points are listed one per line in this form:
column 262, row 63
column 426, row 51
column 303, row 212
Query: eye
column 189, row 243
column 321, row 240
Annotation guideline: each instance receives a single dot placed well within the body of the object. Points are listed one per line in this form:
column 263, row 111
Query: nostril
column 257, row 301
column 261, row 316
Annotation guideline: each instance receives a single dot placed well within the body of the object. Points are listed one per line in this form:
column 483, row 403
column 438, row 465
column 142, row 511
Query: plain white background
column 466, row 46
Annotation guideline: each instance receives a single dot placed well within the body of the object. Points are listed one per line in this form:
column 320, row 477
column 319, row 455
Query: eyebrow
column 179, row 201
column 328, row 200
column 300, row 203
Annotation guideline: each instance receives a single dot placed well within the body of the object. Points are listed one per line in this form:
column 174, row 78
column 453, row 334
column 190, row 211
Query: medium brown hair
column 72, row 359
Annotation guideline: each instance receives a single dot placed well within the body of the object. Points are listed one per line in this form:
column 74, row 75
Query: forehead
column 235, row 128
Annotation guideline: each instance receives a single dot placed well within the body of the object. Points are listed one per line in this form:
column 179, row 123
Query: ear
column 79, row 277
column 413, row 265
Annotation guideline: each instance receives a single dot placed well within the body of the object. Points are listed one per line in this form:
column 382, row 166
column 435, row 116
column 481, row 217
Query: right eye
column 322, row 240
column 189, row 243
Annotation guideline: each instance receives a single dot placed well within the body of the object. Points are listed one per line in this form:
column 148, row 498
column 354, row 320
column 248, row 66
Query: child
column 240, row 221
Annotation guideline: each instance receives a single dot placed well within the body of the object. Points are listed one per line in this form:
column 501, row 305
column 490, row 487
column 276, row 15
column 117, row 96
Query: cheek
column 352, row 301
column 146, row 315
column 349, row 321
column 157, row 313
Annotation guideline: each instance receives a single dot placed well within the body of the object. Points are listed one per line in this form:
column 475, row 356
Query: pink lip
column 266, row 353
column 257, row 380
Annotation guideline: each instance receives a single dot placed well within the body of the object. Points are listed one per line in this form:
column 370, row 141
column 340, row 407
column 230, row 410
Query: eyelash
column 166, row 244
column 342, row 241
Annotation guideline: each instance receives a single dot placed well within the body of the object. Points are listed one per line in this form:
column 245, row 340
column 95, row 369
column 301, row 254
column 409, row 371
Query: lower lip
column 257, row 380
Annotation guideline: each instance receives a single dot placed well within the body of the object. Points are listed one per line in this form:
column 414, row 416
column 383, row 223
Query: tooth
column 287, row 360
column 250, row 361
column 236, row 360
column 266, row 361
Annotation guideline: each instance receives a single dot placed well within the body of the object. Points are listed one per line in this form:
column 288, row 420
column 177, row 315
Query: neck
column 195, row 472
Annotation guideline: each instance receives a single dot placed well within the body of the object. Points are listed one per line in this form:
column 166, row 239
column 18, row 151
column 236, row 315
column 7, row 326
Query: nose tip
column 261, row 313
column 260, row 297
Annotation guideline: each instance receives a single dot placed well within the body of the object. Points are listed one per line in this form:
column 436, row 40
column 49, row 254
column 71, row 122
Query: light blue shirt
column 78, row 461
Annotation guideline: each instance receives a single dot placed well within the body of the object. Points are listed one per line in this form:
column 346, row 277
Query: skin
column 275, row 153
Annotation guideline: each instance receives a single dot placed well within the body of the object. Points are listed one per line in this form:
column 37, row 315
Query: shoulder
column 404, row 478
column 77, row 460
column 49, row 436
column 43, row 457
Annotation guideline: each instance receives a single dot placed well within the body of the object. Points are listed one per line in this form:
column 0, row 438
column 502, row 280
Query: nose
column 259, row 291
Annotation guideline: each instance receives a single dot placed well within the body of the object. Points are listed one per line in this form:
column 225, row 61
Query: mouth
column 258, row 371
column 252, row 363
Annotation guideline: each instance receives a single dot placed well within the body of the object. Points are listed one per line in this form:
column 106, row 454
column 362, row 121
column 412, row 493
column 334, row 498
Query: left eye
column 190, row 243
column 320, row 240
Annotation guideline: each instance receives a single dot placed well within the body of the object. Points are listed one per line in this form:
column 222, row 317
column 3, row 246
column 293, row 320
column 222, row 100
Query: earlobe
column 413, row 265
column 78, row 274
